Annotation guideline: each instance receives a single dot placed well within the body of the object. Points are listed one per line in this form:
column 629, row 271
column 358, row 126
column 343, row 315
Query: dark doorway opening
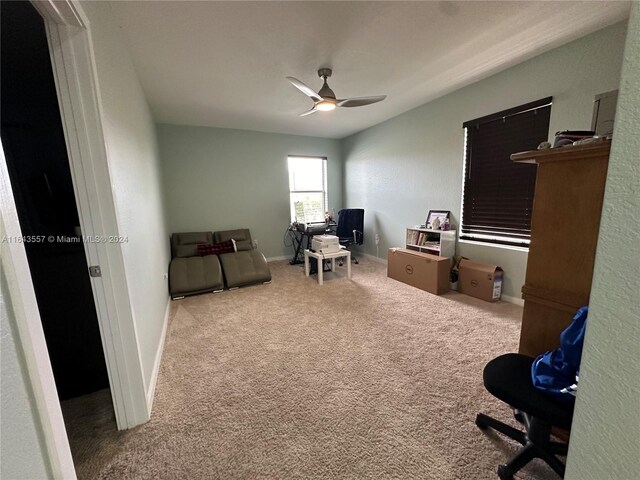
column 36, row 154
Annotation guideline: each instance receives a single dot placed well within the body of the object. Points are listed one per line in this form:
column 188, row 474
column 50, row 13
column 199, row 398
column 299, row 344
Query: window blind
column 498, row 193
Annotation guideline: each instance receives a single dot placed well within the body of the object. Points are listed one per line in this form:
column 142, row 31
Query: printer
column 325, row 244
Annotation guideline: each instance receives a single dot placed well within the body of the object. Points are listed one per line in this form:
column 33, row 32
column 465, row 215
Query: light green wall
column 605, row 438
column 401, row 168
column 219, row 179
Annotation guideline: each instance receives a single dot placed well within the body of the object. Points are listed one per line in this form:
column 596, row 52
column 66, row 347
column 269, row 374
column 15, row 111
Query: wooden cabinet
column 564, row 233
column 435, row 242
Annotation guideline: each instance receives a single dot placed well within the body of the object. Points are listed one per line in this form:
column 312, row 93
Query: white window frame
column 325, row 196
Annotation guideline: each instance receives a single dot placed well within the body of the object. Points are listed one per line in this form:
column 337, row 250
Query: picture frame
column 441, row 214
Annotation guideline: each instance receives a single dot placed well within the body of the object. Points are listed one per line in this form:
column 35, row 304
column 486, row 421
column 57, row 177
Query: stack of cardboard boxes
column 431, row 274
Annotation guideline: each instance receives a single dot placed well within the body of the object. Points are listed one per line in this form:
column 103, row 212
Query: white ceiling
column 223, row 64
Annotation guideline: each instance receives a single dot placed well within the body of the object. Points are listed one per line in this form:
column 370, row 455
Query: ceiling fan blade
column 313, row 110
column 360, row 102
column 304, row 89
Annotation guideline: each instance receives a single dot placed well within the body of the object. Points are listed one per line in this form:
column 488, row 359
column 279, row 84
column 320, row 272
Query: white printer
column 325, row 244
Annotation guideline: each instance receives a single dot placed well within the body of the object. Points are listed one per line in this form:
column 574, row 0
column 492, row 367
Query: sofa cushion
column 195, row 275
column 245, row 268
column 242, row 237
column 215, row 248
column 191, row 238
column 184, row 244
column 182, row 251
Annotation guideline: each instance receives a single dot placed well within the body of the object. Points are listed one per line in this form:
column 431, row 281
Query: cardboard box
column 421, row 270
column 480, row 280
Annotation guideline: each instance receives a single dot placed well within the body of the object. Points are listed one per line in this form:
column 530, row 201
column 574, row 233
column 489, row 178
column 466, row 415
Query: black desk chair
column 350, row 228
column 508, row 377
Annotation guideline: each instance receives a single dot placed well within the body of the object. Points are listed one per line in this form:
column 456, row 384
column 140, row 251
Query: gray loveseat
column 190, row 273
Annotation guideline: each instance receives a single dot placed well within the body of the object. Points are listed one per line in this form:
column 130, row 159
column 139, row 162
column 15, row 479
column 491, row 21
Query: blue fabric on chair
column 350, row 219
column 350, row 229
column 552, row 372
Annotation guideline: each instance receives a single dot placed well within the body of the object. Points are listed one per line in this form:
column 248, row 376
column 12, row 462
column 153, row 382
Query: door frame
column 30, row 335
column 71, row 51
column 75, row 74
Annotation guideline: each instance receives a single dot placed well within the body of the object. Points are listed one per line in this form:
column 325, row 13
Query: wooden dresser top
column 590, row 150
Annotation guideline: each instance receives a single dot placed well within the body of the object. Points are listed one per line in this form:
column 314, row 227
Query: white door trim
column 77, row 86
column 63, row 12
column 69, row 37
column 31, row 335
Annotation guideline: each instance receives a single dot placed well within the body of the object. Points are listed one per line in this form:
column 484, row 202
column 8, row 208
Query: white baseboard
column 372, row 257
column 151, row 393
column 275, row 259
column 514, row 300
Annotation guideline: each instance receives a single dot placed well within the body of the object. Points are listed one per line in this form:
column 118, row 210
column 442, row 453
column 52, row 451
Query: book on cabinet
column 435, row 242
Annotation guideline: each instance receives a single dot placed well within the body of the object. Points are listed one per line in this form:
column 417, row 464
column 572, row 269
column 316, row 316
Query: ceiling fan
column 325, row 100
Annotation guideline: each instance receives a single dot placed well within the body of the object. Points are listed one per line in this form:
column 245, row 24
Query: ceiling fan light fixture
column 326, row 105
column 325, row 100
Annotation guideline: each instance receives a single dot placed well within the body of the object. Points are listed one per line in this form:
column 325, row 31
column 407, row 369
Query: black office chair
column 508, row 377
column 350, row 228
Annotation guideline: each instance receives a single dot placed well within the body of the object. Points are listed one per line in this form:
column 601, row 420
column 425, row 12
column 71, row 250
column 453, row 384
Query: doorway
column 36, row 155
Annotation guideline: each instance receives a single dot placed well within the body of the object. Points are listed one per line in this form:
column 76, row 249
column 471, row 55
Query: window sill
column 495, row 245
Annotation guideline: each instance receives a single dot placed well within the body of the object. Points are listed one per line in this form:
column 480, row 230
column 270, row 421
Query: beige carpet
column 360, row 379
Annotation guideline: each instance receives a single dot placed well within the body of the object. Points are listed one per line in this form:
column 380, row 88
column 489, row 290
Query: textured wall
column 22, row 451
column 218, row 179
column 605, row 438
column 135, row 179
column 400, row 169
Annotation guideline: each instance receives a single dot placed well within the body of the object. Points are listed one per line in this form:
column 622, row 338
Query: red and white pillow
column 216, row 248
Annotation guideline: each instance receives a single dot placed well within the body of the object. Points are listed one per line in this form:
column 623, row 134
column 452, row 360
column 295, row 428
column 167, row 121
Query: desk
column 326, row 256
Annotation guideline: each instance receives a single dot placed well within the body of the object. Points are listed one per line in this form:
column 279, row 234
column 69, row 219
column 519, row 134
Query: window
column 308, row 189
column 498, row 193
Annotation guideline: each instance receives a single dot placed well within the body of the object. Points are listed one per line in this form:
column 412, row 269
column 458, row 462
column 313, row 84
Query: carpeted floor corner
column 360, row 379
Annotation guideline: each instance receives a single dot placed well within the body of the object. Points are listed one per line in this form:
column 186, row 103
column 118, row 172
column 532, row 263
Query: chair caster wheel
column 517, row 414
column 355, row 261
column 505, row 472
